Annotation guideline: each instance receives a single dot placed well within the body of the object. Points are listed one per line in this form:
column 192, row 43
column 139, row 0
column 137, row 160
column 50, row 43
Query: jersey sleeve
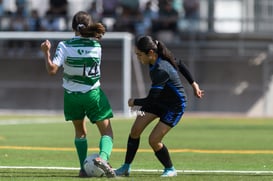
column 185, row 71
column 59, row 55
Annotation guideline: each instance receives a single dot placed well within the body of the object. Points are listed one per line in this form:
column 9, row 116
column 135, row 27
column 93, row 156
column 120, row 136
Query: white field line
column 242, row 172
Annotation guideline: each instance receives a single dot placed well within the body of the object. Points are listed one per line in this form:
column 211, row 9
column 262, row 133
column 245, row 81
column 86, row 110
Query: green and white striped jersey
column 81, row 59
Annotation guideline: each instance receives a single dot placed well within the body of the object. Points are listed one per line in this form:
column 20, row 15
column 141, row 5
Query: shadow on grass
column 36, row 173
column 66, row 175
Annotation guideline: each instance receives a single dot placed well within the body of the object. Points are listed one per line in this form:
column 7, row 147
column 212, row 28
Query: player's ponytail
column 82, row 22
column 165, row 53
column 146, row 43
column 96, row 30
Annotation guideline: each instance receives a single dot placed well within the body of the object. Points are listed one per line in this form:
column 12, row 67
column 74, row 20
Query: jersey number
column 93, row 71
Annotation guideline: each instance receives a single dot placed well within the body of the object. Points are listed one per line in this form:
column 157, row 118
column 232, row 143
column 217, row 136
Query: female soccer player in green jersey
column 80, row 58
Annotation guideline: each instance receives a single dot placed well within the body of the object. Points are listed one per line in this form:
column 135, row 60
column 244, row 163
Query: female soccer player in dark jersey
column 80, row 58
column 166, row 100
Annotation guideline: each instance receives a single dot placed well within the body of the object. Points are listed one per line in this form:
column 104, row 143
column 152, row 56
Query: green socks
column 106, row 146
column 81, row 147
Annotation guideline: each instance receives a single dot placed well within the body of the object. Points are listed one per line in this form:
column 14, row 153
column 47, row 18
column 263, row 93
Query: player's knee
column 80, row 134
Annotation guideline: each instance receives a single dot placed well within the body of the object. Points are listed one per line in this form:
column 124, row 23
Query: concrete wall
column 229, row 72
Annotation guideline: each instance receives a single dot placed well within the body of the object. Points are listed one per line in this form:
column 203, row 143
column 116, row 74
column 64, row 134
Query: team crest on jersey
column 83, row 52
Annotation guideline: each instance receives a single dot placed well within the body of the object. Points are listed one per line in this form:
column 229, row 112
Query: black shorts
column 169, row 115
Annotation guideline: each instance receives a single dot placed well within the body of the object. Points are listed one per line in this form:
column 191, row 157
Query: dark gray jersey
column 166, row 88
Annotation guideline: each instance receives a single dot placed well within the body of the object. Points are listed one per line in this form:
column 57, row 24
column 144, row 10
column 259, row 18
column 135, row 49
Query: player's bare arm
column 50, row 66
column 197, row 91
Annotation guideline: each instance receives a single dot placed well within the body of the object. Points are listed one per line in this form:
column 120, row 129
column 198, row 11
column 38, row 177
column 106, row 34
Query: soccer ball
column 91, row 169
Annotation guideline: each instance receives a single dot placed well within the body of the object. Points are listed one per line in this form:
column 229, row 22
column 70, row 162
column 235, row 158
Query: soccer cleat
column 169, row 172
column 124, row 170
column 82, row 174
column 109, row 172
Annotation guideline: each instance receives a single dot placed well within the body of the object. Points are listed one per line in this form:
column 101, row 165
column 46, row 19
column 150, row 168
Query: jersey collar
column 80, row 37
column 152, row 66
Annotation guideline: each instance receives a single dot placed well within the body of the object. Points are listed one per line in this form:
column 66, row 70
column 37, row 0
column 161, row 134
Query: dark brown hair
column 147, row 43
column 83, row 23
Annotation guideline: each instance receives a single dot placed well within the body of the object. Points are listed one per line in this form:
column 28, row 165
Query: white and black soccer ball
column 91, row 169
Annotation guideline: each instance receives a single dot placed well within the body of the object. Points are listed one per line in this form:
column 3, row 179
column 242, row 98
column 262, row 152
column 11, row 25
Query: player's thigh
column 97, row 106
column 73, row 109
column 141, row 122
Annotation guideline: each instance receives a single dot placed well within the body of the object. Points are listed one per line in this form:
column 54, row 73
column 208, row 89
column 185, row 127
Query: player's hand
column 131, row 102
column 45, row 46
column 197, row 91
